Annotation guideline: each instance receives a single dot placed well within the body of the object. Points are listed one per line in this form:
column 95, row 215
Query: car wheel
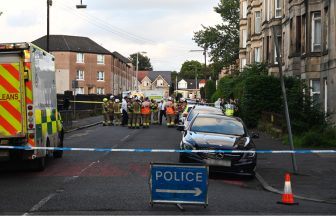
column 59, row 153
column 182, row 159
column 38, row 164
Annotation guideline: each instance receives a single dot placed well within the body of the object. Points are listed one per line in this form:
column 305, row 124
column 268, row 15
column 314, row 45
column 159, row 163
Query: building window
column 257, row 54
column 268, row 9
column 243, row 63
column 315, row 90
column 145, row 83
column 80, row 75
column 244, row 9
column 100, row 76
column 244, row 38
column 100, row 91
column 257, row 23
column 326, row 28
column 298, row 35
column 325, row 95
column 303, row 35
column 159, row 82
column 279, row 39
column 316, row 32
column 80, row 58
column 278, row 8
column 79, row 90
column 100, row 59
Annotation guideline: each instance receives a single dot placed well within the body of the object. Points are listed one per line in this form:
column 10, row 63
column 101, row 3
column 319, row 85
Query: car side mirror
column 255, row 135
column 180, row 128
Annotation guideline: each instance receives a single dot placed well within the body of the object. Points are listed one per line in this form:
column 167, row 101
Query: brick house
column 96, row 69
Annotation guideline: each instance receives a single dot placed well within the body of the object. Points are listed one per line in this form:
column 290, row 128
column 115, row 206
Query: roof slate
column 71, row 44
column 152, row 75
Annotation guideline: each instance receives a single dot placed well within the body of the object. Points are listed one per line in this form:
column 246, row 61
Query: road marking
column 42, row 202
column 125, row 138
column 129, row 135
column 196, row 191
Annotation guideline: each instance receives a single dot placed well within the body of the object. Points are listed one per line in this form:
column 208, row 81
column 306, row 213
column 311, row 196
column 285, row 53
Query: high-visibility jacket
column 170, row 108
column 229, row 109
column 117, row 108
column 105, row 106
column 136, row 107
column 145, row 109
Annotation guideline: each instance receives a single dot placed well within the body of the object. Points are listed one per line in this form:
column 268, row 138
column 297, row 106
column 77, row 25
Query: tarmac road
column 117, row 183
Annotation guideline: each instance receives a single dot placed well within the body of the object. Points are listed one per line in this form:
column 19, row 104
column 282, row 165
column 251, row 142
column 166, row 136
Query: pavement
column 315, row 177
column 314, row 180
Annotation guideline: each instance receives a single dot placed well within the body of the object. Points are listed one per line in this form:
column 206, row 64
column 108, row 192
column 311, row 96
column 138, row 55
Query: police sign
column 179, row 183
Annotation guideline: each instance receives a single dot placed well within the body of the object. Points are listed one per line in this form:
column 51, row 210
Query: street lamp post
column 49, row 3
column 137, row 69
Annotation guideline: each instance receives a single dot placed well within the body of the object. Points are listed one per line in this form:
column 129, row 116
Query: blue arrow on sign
column 177, row 183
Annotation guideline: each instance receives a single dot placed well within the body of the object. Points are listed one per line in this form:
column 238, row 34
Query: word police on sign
column 177, row 183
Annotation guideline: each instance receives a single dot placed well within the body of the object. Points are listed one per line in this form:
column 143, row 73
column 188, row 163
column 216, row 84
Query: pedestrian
column 66, row 103
column 117, row 112
column 146, row 112
column 124, row 111
column 106, row 116
column 218, row 103
column 170, row 111
column 155, row 111
column 162, row 108
column 136, row 113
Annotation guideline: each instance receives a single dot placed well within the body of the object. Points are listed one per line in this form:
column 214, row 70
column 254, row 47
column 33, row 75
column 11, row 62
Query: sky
column 162, row 28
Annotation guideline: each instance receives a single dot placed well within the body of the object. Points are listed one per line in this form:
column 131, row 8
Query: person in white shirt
column 218, row 103
column 162, row 108
column 124, row 111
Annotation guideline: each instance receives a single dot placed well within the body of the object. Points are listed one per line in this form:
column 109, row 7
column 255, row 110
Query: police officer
column 230, row 108
column 106, row 116
column 117, row 112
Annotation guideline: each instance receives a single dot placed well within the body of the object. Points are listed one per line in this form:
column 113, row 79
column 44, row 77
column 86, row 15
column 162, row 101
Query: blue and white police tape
column 145, row 150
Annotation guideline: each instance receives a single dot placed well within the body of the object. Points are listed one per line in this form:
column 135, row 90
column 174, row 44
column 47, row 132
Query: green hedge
column 258, row 92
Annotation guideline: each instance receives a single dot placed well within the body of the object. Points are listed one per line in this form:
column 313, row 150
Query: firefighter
column 117, row 112
column 170, row 111
column 180, row 109
column 110, row 109
column 146, row 112
column 155, row 111
column 136, row 113
column 105, row 112
column 130, row 112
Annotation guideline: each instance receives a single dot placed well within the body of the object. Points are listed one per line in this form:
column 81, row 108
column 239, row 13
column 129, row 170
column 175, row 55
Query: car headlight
column 242, row 143
column 187, row 145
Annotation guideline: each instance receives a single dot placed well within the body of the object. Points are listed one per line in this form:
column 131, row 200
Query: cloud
column 163, row 28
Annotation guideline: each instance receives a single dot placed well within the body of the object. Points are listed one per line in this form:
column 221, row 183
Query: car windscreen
column 203, row 111
column 218, row 125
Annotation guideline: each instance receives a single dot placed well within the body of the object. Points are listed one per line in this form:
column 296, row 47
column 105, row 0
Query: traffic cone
column 287, row 196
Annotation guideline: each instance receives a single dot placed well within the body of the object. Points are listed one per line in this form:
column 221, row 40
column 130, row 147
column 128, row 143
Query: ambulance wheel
column 59, row 153
column 39, row 164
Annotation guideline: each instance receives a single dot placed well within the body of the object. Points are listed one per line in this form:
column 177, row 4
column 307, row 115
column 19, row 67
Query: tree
column 222, row 39
column 190, row 69
column 144, row 62
column 210, row 89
